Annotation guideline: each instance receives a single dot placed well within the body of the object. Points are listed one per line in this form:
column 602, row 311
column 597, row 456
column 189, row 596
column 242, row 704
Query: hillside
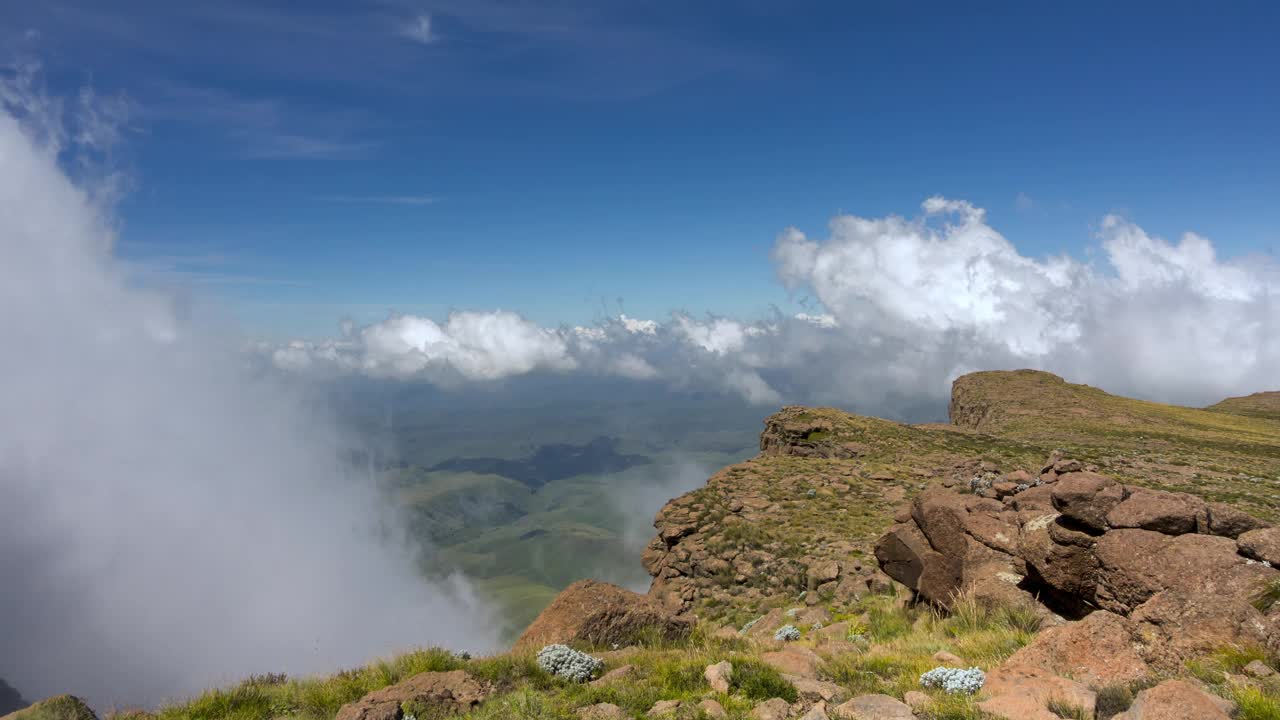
column 1090, row 556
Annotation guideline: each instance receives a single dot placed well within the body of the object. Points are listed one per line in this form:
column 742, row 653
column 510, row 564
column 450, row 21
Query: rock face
column 60, row 707
column 601, row 614
column 447, row 692
column 1175, row 574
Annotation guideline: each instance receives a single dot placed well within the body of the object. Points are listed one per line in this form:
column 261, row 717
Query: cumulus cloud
column 907, row 305
column 172, row 520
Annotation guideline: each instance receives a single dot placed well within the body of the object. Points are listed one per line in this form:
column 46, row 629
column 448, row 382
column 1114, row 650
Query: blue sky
column 306, row 162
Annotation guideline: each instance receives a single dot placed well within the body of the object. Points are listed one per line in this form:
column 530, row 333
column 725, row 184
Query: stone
column 1164, row 512
column 812, row 691
column 772, row 709
column 1261, row 544
column 712, row 709
column 1258, row 669
column 794, row 660
column 602, row 614
column 874, row 707
column 453, row 692
column 719, row 676
column 1136, row 564
column 822, row 571
column 1086, row 498
column 817, row 712
column 1176, row 626
column 1098, row 650
column 765, row 626
column 622, row 672
column 664, row 708
column 602, row 711
column 1227, row 521
column 945, row 658
column 1177, row 700
column 918, row 701
column 1023, row 692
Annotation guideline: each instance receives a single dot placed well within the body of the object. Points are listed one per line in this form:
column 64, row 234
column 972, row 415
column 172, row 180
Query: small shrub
column 758, row 681
column 565, row 662
column 954, row 680
column 1256, row 704
column 1268, row 596
column 787, row 633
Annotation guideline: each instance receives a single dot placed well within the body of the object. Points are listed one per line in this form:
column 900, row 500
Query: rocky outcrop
column 602, row 614
column 434, row 692
column 796, row 430
column 1158, row 577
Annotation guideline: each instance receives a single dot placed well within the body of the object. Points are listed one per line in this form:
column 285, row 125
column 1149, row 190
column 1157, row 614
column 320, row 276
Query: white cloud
column 154, row 487
column 419, row 29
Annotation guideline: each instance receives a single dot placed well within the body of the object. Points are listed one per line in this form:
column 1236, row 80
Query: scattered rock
column 617, row 674
column 719, row 675
column 874, row 707
column 664, row 708
column 1258, row 669
column 812, row 691
column 817, row 712
column 918, row 701
column 774, row 709
column 946, row 658
column 1087, row 497
column 453, row 692
column 602, row 711
column 712, row 709
column 1177, row 700
column 1229, row 522
column 598, row 613
column 1163, row 512
column 794, row 660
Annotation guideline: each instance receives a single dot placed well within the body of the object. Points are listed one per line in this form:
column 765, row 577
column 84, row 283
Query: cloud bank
column 170, row 520
column 908, row 304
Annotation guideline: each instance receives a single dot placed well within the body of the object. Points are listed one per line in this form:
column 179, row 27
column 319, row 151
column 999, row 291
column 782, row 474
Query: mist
column 171, row 519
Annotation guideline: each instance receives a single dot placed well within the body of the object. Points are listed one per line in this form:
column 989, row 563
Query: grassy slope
column 1012, row 420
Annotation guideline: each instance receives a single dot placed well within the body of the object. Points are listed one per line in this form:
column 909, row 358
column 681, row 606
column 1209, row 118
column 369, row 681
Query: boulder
column 794, row 660
column 1227, row 521
column 618, row 674
column 943, row 657
column 1176, row 626
column 1098, row 650
column 602, row 614
column 1086, row 498
column 1136, row 564
column 1022, row 692
column 59, row 707
column 449, row 692
column 773, row 709
column 919, row 702
column 712, row 709
column 1163, row 512
column 814, row 691
column 719, row 676
column 817, row 712
column 1258, row 669
column 1261, row 545
column 874, row 707
column 1177, row 700
column 664, row 708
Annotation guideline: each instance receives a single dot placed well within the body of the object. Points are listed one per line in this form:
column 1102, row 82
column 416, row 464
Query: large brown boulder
column 1176, row 626
column 1177, row 700
column 1136, row 564
column 59, row 707
column 1164, row 512
column 598, row 613
column 1020, row 692
column 438, row 692
column 1101, row 649
column 1261, row 545
column 1087, row 497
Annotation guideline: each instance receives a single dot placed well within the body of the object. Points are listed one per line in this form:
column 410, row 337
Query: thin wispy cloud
column 413, row 200
column 419, row 30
